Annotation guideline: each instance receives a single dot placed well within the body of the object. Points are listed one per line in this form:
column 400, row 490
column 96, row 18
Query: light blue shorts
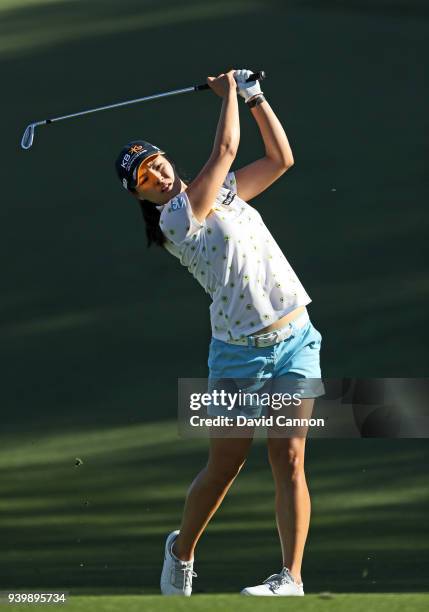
column 290, row 366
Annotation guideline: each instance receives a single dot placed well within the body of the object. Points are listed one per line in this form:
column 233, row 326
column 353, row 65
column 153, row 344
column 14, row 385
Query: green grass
column 64, row 21
column 102, row 523
column 329, row 602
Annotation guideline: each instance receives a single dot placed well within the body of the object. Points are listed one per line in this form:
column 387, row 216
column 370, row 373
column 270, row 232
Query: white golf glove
column 246, row 90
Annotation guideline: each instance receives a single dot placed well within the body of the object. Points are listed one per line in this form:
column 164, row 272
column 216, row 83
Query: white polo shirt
column 237, row 261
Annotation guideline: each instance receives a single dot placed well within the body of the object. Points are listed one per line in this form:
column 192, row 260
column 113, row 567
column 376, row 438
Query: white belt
column 274, row 336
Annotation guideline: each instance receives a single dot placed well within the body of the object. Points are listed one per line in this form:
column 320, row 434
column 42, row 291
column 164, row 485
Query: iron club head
column 28, row 137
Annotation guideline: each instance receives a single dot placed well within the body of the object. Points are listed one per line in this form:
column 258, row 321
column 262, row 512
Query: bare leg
column 227, row 457
column 293, row 506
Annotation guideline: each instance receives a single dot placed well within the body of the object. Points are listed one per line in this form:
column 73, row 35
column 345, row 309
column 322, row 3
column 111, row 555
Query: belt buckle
column 261, row 344
column 278, row 336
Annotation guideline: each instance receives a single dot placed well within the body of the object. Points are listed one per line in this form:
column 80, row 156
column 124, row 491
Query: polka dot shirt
column 234, row 257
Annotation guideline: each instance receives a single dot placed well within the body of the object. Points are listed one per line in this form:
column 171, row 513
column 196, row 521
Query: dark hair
column 151, row 216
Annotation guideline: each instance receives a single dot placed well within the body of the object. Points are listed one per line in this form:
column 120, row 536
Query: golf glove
column 246, row 90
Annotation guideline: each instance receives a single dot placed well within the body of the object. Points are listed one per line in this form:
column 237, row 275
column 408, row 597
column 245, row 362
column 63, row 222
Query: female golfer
column 260, row 325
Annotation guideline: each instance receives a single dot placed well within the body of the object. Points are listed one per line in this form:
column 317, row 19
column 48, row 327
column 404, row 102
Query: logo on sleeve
column 177, row 203
column 229, row 198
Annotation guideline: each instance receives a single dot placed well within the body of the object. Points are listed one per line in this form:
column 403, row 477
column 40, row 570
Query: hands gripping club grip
column 256, row 76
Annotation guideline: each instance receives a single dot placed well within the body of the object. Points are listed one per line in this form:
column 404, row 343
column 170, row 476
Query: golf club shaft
column 253, row 77
column 27, row 139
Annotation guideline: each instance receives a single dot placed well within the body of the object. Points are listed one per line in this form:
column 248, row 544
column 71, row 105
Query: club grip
column 255, row 76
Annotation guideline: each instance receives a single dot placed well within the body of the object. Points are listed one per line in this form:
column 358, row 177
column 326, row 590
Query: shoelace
column 189, row 574
column 183, row 574
column 275, row 581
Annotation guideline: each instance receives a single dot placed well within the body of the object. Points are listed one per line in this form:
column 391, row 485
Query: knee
column 287, row 462
column 222, row 472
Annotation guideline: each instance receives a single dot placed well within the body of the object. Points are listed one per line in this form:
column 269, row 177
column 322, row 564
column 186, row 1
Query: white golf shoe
column 176, row 576
column 278, row 585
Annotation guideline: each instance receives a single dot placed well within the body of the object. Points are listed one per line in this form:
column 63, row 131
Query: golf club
column 28, row 137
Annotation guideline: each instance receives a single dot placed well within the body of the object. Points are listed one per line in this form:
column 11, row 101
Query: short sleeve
column 177, row 220
column 230, row 182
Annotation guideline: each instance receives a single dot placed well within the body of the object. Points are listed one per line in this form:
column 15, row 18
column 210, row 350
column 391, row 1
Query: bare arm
column 260, row 174
column 204, row 188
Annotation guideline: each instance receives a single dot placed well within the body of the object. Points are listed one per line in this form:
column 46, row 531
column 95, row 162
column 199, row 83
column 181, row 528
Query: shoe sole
column 244, row 592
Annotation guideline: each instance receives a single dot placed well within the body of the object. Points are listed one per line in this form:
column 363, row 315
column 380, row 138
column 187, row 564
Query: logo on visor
column 125, row 183
column 136, row 149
